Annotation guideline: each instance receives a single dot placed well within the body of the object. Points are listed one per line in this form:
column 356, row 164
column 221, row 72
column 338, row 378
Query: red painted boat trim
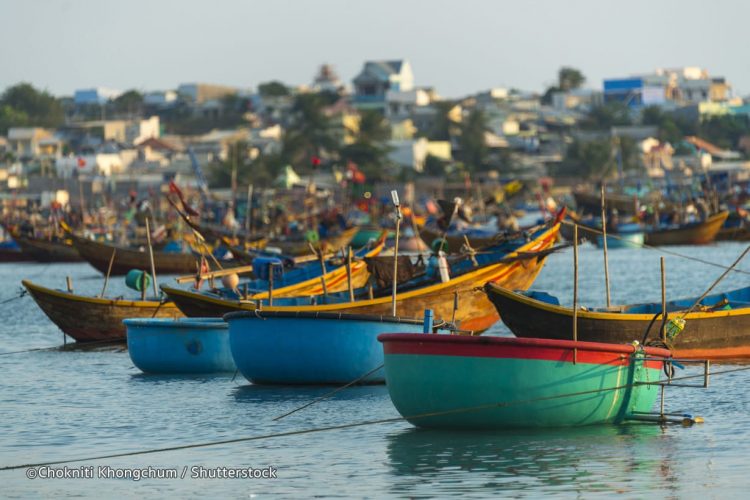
column 503, row 347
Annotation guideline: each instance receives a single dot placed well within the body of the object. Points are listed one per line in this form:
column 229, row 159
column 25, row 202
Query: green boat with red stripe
column 453, row 381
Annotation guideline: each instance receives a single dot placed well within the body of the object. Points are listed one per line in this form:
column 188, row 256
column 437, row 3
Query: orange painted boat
column 698, row 233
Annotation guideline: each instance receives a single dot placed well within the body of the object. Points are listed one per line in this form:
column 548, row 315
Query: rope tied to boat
column 21, row 293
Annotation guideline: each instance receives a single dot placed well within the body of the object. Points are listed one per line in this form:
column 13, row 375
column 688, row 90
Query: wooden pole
column 151, row 258
column 604, row 239
column 394, row 196
column 324, row 270
column 109, row 271
column 349, row 273
column 248, row 213
column 270, row 284
column 663, row 298
column 69, row 282
column 575, row 290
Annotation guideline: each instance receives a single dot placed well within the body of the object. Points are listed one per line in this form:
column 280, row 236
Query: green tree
column 725, row 131
column 23, row 106
column 472, row 144
column 273, row 89
column 442, row 127
column 606, row 116
column 310, row 132
column 569, row 78
column 588, row 159
column 370, row 150
column 130, row 103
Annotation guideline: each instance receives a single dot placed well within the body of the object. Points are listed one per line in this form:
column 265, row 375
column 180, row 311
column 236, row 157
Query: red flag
column 173, row 188
column 81, row 162
column 315, row 161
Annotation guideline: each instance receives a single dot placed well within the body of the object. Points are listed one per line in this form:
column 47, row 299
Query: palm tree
column 472, row 145
column 310, row 131
column 370, row 150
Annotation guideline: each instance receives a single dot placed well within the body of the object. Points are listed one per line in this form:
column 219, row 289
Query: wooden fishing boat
column 336, row 280
column 451, row 381
column 99, row 254
column 42, row 250
column 627, row 236
column 11, row 252
column 696, row 233
column 591, row 202
column 300, row 246
column 182, row 345
column 718, row 329
column 456, row 241
column 517, row 271
column 271, row 347
column 87, row 319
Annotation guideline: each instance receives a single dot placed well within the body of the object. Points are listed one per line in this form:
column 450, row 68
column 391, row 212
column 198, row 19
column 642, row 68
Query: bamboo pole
column 69, row 283
column 575, row 290
column 270, row 283
column 151, row 258
column 323, row 269
column 109, row 271
column 604, row 240
column 349, row 273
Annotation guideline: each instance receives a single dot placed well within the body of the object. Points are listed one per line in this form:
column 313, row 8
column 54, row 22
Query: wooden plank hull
column 47, row 251
column 98, row 255
column 692, row 234
column 713, row 335
column 88, row 319
column 475, row 312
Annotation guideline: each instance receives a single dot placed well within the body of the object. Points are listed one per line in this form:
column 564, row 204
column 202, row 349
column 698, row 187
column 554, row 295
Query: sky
column 458, row 47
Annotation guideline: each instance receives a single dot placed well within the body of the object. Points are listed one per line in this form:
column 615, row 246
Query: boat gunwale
column 32, row 287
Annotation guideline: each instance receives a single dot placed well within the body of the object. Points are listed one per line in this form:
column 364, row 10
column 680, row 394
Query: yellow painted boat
column 475, row 312
column 336, row 279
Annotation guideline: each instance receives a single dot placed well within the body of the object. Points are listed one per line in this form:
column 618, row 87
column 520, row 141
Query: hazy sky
column 456, row 46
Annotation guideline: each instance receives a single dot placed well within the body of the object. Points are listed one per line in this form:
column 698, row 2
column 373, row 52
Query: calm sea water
column 59, row 405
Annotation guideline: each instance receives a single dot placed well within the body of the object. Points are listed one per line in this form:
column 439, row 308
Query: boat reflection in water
column 634, row 459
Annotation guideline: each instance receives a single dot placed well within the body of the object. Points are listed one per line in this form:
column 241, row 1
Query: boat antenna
column 397, row 205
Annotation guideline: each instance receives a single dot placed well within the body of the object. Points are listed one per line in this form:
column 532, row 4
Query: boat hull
column 88, row 319
column 302, row 247
column 183, row 345
column 99, row 254
column 47, row 251
column 723, row 334
column 288, row 348
column 693, row 234
column 447, row 381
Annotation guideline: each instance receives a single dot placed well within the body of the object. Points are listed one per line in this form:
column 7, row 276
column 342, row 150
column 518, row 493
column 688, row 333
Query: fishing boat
column 452, row 381
column 719, row 328
column 626, row 236
column 271, row 347
column 99, row 254
column 457, row 240
column 11, row 252
column 301, row 246
column 522, row 261
column 88, row 319
column 182, row 345
column 42, row 250
column 694, row 233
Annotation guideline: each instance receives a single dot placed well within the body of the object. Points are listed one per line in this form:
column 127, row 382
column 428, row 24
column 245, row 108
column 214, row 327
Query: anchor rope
column 364, row 423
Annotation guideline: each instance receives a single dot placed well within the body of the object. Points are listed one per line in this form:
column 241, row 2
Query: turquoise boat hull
column 622, row 240
column 310, row 348
column 492, row 382
column 184, row 345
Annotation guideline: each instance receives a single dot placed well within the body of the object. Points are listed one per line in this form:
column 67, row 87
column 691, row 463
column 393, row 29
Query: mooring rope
column 364, row 423
column 658, row 249
column 21, row 293
column 68, row 347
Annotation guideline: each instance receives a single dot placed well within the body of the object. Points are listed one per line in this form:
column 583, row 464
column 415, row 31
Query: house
column 96, row 96
column 327, row 80
column 401, row 104
column 33, row 142
column 377, row 78
column 199, row 93
column 412, row 153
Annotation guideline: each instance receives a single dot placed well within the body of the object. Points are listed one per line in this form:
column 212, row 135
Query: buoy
column 137, row 280
column 230, row 281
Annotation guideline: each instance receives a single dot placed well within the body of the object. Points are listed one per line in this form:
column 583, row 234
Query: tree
column 130, row 103
column 370, row 150
column 442, row 126
column 24, row 106
column 472, row 145
column 588, row 159
column 273, row 89
column 569, row 78
column 310, row 132
column 606, row 116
